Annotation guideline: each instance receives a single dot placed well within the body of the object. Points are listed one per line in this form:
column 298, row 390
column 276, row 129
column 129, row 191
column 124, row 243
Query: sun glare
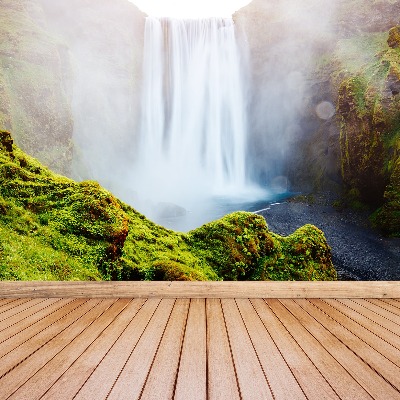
column 190, row 8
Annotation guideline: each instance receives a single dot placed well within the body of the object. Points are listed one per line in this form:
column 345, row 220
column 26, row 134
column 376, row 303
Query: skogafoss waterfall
column 192, row 143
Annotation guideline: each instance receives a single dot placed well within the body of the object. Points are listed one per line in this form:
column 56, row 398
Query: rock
column 169, row 210
column 6, row 141
column 394, row 37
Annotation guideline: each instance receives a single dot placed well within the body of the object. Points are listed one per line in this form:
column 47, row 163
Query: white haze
column 276, row 41
column 190, row 8
column 285, row 38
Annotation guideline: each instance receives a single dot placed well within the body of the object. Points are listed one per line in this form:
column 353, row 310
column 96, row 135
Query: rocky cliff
column 333, row 71
column 35, row 82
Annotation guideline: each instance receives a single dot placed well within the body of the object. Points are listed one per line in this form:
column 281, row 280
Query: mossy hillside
column 241, row 247
column 388, row 216
column 34, row 76
column 53, row 228
column 369, row 109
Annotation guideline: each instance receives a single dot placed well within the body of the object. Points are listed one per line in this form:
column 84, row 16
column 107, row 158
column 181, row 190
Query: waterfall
column 192, row 142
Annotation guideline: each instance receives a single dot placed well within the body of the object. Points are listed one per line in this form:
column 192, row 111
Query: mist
column 277, row 43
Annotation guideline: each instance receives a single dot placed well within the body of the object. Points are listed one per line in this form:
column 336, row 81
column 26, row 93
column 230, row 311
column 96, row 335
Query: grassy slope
column 52, row 228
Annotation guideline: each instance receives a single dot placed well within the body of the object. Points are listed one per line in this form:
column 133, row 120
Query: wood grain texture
column 282, row 381
column 364, row 359
column 201, row 289
column 253, row 383
column 192, row 373
column 103, row 378
column 229, row 348
column 26, row 370
column 222, row 381
column 87, row 362
column 162, row 377
column 297, row 359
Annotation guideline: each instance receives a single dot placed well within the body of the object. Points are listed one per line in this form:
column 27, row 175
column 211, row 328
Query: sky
column 190, row 8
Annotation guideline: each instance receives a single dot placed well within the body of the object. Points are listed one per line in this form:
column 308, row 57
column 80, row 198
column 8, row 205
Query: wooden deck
column 214, row 341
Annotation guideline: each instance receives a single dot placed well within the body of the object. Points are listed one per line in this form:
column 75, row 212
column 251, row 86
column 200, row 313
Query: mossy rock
column 394, row 37
column 241, row 247
column 388, row 216
column 52, row 228
column 369, row 114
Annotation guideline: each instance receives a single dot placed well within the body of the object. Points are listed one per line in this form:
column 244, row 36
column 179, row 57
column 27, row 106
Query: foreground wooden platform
column 287, row 340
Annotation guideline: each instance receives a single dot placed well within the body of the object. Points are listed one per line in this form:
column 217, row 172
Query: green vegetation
column 369, row 109
column 52, row 228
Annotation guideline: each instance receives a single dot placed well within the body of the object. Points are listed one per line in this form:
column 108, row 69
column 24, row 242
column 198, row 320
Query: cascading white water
column 192, row 142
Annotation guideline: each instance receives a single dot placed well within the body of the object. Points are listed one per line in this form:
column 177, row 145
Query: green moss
column 388, row 216
column 394, row 37
column 369, row 111
column 240, row 247
column 54, row 228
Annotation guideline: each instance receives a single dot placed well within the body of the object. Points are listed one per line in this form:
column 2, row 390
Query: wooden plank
column 372, row 322
column 27, row 314
column 363, row 308
column 282, row 382
column 335, row 323
column 43, row 379
column 52, row 306
column 4, row 302
column 393, row 302
column 222, row 381
column 85, row 365
column 19, row 335
column 192, row 374
column 319, row 345
column 313, row 384
column 101, row 381
column 133, row 376
column 253, row 383
column 18, row 309
column 160, row 383
column 20, row 347
column 339, row 289
column 18, row 376
column 380, row 310
column 12, row 303
column 351, row 378
column 390, row 312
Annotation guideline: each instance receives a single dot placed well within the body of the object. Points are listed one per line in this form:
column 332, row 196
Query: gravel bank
column 359, row 252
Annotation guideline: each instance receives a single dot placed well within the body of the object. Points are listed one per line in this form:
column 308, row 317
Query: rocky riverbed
column 359, row 252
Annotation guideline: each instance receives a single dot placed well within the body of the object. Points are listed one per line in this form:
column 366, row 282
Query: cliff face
column 369, row 108
column 69, row 75
column 105, row 40
column 35, row 75
column 349, row 66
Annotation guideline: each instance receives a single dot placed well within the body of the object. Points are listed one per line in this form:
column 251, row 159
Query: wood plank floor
column 199, row 348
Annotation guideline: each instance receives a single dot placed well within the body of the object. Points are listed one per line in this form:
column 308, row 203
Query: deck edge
column 287, row 289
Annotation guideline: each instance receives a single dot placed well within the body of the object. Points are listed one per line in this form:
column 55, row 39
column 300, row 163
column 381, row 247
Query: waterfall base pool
column 207, row 211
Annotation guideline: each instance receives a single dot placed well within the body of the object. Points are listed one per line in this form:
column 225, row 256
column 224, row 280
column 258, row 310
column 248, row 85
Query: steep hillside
column 35, row 80
column 369, row 109
column 54, row 228
column 334, row 111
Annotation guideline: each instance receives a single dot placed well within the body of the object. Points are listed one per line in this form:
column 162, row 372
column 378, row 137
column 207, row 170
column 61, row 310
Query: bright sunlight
column 190, row 8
